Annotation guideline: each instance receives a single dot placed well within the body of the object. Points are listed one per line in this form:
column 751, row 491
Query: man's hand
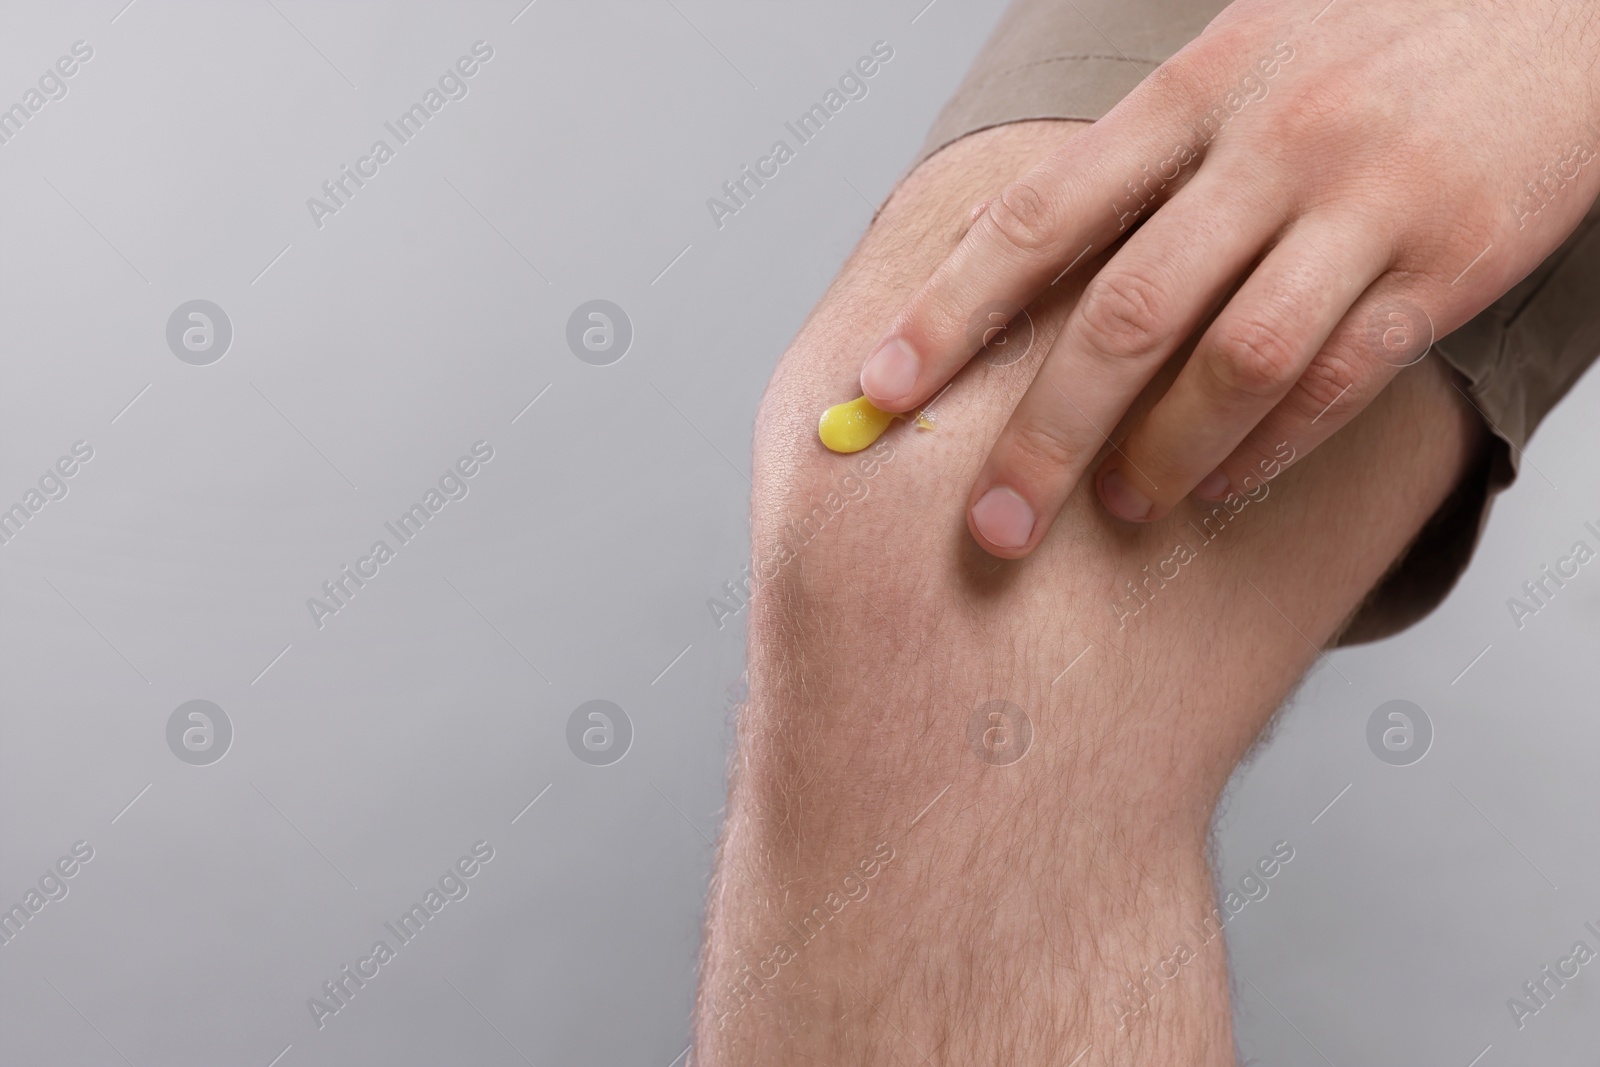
column 1346, row 181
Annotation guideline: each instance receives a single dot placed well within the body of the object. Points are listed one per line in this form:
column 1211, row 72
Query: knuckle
column 1123, row 314
column 1036, row 449
column 1183, row 77
column 930, row 321
column 1022, row 215
column 1255, row 358
column 1316, row 108
column 1332, row 376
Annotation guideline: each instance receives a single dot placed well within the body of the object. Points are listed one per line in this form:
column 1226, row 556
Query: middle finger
column 1144, row 303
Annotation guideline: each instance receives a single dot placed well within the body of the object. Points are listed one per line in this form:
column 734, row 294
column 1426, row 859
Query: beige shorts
column 1053, row 60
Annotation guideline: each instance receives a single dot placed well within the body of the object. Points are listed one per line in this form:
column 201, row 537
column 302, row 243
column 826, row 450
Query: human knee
column 827, row 525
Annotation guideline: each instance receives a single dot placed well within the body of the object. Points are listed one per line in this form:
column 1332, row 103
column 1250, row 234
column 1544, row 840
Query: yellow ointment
column 853, row 426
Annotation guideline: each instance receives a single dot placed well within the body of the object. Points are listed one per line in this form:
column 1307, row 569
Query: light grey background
column 426, row 715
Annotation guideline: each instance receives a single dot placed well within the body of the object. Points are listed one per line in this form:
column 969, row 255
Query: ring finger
column 1246, row 362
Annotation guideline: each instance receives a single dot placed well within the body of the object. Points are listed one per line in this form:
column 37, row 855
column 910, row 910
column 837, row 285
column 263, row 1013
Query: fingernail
column 1214, row 487
column 891, row 372
column 1122, row 499
column 1003, row 517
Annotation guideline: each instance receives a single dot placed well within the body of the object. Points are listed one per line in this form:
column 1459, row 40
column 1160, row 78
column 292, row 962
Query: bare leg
column 887, row 890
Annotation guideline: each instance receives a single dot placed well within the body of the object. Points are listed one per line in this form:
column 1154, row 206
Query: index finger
column 1080, row 199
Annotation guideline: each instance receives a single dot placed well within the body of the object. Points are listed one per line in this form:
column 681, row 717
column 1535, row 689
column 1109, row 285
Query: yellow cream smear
column 853, row 426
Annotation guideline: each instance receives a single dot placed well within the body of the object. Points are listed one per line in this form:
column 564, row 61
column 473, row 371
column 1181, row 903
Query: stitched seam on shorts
column 1070, row 58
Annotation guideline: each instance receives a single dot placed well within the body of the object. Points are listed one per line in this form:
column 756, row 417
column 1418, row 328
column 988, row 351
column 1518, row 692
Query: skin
column 974, row 911
column 1361, row 191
